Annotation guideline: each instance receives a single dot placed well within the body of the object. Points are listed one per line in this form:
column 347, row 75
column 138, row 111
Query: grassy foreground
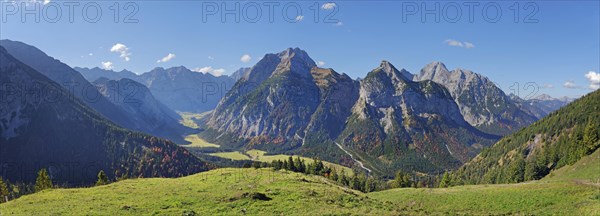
column 571, row 190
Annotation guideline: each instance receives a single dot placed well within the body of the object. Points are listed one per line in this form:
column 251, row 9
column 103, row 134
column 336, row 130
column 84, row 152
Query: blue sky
column 558, row 44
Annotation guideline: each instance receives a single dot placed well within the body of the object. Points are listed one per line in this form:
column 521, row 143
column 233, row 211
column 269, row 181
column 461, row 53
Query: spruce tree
column 102, row 178
column 334, row 175
column 445, row 182
column 590, row 137
column 3, row 191
column 43, row 181
column 290, row 164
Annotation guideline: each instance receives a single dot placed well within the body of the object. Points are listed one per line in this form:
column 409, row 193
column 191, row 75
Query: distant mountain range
column 178, row 88
column 541, row 105
column 43, row 125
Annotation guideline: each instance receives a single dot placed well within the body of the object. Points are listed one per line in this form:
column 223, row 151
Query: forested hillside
column 561, row 138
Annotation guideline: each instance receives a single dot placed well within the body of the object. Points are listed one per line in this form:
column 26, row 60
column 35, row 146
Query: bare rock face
column 481, row 102
column 396, row 120
column 275, row 99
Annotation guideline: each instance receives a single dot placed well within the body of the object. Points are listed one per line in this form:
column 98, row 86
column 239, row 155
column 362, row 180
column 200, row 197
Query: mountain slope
column 481, row 102
column 50, row 128
column 238, row 74
column 560, row 139
column 69, row 79
column 83, row 90
column 137, row 101
column 275, row 101
column 415, row 126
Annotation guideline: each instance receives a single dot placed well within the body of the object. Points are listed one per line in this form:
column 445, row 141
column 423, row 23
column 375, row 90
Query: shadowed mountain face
column 481, row 102
column 137, row 101
column 42, row 125
column 110, row 107
column 69, row 79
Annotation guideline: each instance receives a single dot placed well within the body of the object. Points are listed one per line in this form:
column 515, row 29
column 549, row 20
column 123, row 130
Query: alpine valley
column 175, row 141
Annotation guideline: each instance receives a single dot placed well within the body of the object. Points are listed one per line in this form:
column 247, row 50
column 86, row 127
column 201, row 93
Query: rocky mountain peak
column 434, row 69
column 393, row 72
column 544, row 97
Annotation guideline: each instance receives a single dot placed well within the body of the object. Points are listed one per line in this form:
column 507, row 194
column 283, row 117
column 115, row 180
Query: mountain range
column 179, row 88
column 391, row 119
column 79, row 87
column 43, row 125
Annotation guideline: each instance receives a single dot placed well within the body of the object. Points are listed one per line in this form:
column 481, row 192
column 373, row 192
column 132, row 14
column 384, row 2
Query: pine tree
column 43, row 181
column 445, row 182
column 369, row 185
column 590, row 137
column 290, row 164
column 275, row 164
column 299, row 164
column 334, row 175
column 285, row 165
column 256, row 164
column 102, row 178
column 3, row 191
column 355, row 182
column 342, row 179
column 517, row 170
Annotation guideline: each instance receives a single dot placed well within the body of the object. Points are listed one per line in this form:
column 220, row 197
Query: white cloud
column 340, row 23
column 299, row 18
column 328, row 6
column 465, row 44
column 570, row 84
column 122, row 49
column 468, row 45
column 203, row 69
column 166, row 58
column 211, row 70
column 107, row 65
column 594, row 79
column 218, row 72
column 211, row 58
column 91, row 54
column 548, row 86
column 321, row 63
column 245, row 58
